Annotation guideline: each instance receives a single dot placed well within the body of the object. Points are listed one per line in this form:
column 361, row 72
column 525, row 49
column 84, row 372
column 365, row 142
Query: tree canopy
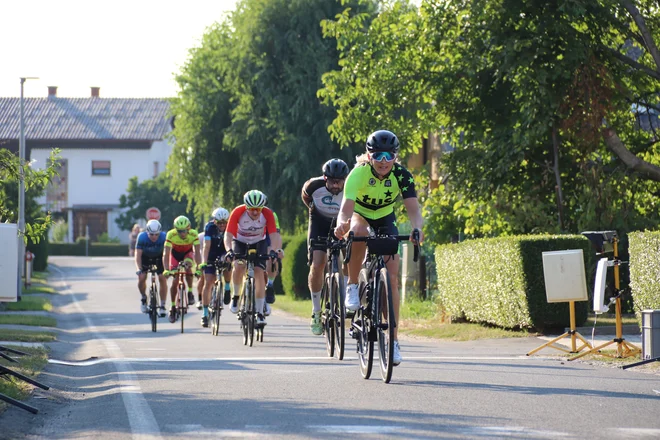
column 544, row 103
column 36, row 220
column 247, row 116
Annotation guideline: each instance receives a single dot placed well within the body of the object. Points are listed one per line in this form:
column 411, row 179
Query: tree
column 36, row 220
column 247, row 115
column 153, row 192
column 535, row 96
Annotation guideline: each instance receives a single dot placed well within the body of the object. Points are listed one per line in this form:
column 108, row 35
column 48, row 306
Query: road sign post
column 153, row 213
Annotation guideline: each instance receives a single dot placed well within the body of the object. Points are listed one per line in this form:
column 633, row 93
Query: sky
column 130, row 49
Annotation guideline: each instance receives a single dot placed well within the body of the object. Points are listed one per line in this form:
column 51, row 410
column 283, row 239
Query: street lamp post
column 21, row 191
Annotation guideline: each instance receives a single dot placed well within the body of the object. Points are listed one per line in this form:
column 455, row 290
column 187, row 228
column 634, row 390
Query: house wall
column 83, row 188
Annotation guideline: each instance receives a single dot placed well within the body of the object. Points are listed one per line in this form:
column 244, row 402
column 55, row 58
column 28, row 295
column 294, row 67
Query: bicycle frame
column 153, row 297
column 182, row 297
column 216, row 299
column 375, row 321
column 332, row 297
column 247, row 313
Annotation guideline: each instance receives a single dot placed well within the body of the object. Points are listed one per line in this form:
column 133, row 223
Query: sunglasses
column 154, row 234
column 380, row 156
column 255, row 209
column 181, row 231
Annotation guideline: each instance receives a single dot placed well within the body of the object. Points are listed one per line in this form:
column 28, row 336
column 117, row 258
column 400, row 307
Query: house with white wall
column 103, row 142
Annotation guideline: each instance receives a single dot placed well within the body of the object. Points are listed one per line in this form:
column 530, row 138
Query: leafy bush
column 40, row 251
column 294, row 268
column 644, row 248
column 105, row 238
column 95, row 249
column 500, row 280
column 59, row 231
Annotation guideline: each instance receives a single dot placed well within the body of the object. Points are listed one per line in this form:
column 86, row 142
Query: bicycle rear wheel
column 385, row 324
column 153, row 307
column 365, row 343
column 338, row 313
column 327, row 317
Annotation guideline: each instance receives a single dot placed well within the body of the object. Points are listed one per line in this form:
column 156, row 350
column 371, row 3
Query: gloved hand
column 229, row 256
column 198, row 273
column 167, row 273
column 138, row 273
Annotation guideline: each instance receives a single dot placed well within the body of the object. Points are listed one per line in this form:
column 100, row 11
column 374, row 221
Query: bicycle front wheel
column 338, row 313
column 183, row 298
column 216, row 311
column 250, row 312
column 385, row 324
column 153, row 307
column 362, row 319
column 327, row 317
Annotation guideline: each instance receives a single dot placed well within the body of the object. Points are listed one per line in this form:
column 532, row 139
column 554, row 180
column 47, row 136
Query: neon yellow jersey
column 277, row 221
column 374, row 198
column 181, row 245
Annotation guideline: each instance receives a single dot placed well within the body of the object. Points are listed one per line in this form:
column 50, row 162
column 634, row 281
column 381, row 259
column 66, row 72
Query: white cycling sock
column 259, row 304
column 316, row 302
column 237, row 290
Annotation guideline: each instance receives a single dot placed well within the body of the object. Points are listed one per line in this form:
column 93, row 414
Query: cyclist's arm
column 228, row 239
column 166, row 257
column 414, row 215
column 198, row 253
column 207, row 250
column 305, row 196
column 138, row 259
column 276, row 241
column 345, row 214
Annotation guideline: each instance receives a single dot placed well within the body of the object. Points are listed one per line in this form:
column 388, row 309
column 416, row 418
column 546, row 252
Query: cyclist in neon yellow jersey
column 370, row 191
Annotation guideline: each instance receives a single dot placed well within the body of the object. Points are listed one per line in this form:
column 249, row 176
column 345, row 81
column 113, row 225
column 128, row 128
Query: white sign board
column 9, row 262
column 599, row 287
column 564, row 276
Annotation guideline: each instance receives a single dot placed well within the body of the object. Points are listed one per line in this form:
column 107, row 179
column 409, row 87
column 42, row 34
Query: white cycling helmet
column 153, row 227
column 220, row 215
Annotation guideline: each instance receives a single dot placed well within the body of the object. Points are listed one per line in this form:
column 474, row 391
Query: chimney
column 52, row 91
column 95, row 92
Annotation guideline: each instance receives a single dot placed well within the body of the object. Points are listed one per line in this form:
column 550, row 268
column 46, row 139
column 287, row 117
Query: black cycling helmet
column 382, row 140
column 335, row 169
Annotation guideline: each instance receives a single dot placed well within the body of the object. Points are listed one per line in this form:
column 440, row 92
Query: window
column 156, row 169
column 100, row 168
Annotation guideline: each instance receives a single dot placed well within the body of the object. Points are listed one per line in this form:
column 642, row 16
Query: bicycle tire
column 365, row 342
column 326, row 317
column 385, row 306
column 153, row 305
column 244, row 322
column 215, row 314
column 339, row 314
column 183, row 297
column 249, row 286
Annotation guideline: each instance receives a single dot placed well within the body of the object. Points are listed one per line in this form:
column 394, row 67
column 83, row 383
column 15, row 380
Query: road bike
column 333, row 316
column 153, row 297
column 182, row 296
column 216, row 305
column 374, row 320
column 246, row 311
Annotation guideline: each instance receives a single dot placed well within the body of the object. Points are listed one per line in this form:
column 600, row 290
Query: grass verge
column 608, row 319
column 418, row 318
column 40, row 321
column 39, row 288
column 26, row 336
column 29, row 365
column 30, row 303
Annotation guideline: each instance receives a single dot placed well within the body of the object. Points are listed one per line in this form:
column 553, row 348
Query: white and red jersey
column 247, row 230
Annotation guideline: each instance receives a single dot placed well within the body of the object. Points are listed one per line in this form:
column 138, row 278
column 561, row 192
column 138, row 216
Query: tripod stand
column 605, row 242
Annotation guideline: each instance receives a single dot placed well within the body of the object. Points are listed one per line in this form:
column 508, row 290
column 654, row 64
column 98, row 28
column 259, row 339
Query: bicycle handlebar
column 366, row 238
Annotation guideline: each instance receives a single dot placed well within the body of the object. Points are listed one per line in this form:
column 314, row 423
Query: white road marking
column 511, row 432
column 140, row 417
column 638, row 433
column 150, row 349
column 356, row 429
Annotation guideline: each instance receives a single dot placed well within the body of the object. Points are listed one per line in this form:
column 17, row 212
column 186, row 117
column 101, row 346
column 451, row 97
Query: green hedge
column 295, row 269
column 40, row 251
column 500, row 280
column 95, row 249
column 644, row 249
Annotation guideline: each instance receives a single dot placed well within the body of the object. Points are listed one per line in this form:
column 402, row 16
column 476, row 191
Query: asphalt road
column 112, row 378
